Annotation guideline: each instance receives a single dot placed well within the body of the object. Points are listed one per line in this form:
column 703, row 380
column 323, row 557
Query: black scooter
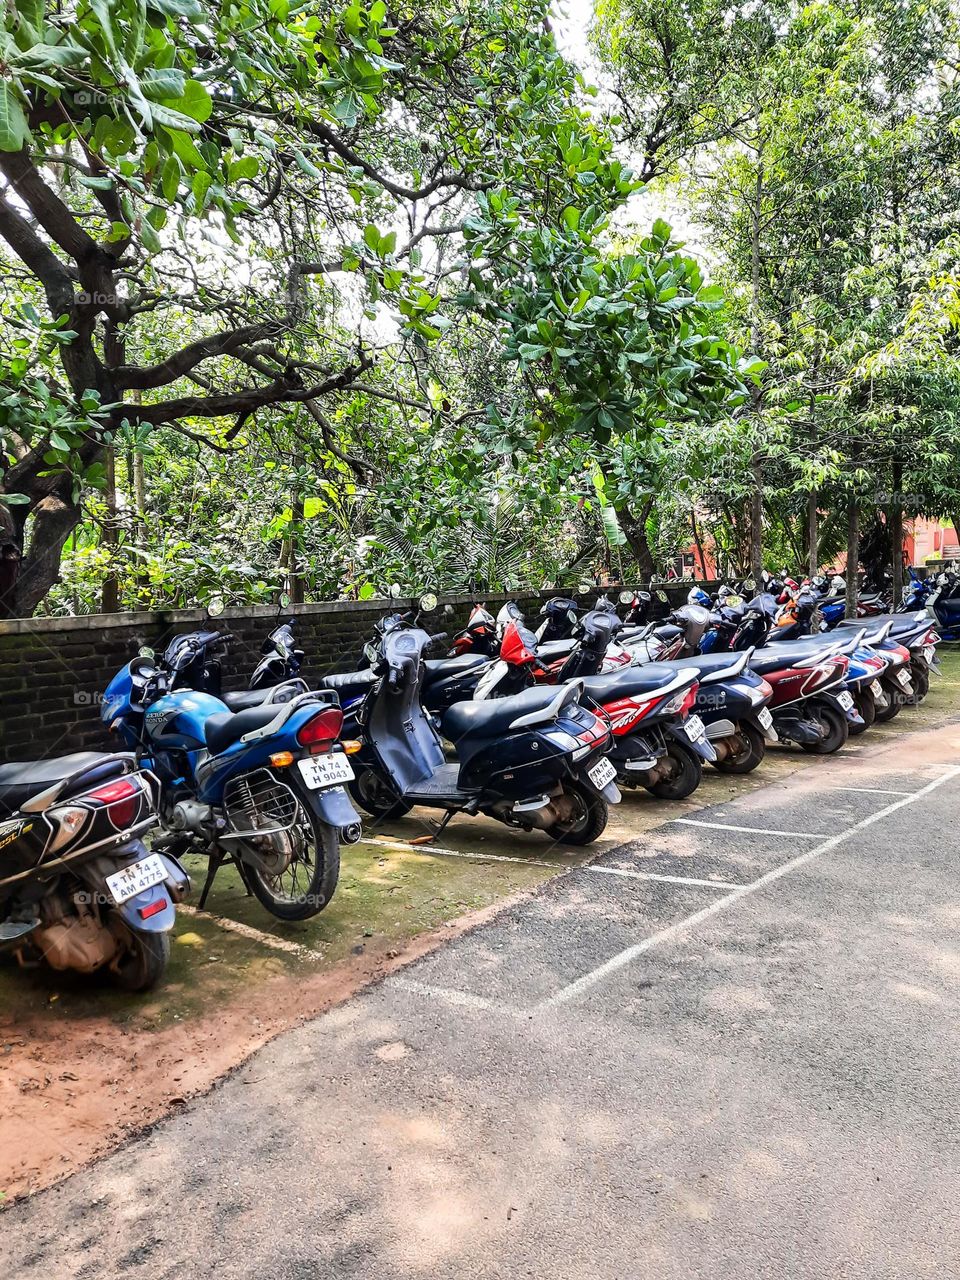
column 533, row 761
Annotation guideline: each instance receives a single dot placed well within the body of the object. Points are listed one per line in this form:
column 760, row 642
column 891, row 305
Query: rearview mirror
column 284, row 599
column 395, row 590
column 216, row 607
column 583, row 588
column 146, row 652
column 428, row 602
column 625, row 597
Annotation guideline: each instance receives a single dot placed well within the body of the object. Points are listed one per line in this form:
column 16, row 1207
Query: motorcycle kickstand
column 214, row 862
column 431, row 838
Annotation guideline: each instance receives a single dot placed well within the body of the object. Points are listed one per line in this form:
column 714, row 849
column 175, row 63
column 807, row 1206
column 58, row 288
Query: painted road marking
column 459, row 853
column 448, row 995
column 754, row 831
column 879, row 791
column 252, row 935
column 651, row 875
column 625, row 957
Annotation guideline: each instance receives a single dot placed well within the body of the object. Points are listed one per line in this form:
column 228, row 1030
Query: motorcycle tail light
column 324, row 727
column 681, row 703
column 121, row 799
column 765, row 689
column 70, row 822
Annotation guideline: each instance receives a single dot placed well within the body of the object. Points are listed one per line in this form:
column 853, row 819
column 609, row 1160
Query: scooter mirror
column 395, row 590
column 749, row 584
column 146, row 653
column 215, row 607
column 583, row 588
column 370, row 653
column 625, row 597
column 284, row 599
column 448, row 609
column 571, row 617
column 428, row 602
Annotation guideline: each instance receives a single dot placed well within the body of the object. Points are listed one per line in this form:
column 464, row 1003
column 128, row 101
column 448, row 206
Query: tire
column 376, row 796
column 920, row 674
column 591, row 821
column 750, row 757
column 687, row 774
column 142, row 964
column 313, row 895
column 866, row 704
column 837, row 726
column 896, row 703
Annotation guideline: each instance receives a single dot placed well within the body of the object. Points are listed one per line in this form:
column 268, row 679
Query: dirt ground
column 83, row 1068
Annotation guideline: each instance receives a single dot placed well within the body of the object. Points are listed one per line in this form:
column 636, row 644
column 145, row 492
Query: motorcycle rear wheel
column 144, row 958
column 590, row 820
column 750, row 757
column 896, row 701
column 866, row 704
column 837, row 731
column 920, row 674
column 686, row 776
column 376, row 796
column 321, row 871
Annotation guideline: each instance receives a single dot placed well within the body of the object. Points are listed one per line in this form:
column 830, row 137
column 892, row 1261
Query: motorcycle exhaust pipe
column 352, row 834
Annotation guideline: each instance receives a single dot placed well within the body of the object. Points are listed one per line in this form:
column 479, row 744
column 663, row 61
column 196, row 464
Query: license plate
column 903, row 675
column 929, row 652
column 765, row 718
column 876, row 688
column 136, row 878
column 325, row 771
column 694, row 729
column 846, row 700
column 602, row 773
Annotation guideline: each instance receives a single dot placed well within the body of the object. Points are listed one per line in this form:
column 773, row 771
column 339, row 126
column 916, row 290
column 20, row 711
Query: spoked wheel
column 376, row 796
column 836, row 730
column 896, row 700
column 866, row 705
column 589, row 819
column 751, row 755
column 305, row 882
column 685, row 774
column 144, row 958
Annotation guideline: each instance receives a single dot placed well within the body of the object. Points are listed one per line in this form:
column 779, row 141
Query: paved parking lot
column 726, row 1048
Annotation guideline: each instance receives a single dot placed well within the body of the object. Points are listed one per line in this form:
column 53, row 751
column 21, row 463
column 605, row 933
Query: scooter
column 909, row 642
column 260, row 788
column 534, row 761
column 479, row 636
column 810, row 705
column 78, row 890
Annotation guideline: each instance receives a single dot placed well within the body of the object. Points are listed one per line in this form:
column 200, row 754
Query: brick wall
column 53, row 670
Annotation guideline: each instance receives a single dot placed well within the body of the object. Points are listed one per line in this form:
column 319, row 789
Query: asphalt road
column 717, row 1053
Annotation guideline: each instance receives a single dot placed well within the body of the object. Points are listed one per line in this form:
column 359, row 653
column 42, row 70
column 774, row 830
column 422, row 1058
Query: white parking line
column 651, row 875
column 459, row 853
column 448, row 995
column 754, row 831
column 625, row 957
column 252, row 935
column 878, row 791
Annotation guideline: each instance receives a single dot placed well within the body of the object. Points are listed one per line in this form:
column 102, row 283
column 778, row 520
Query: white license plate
column 846, row 700
column 134, row 879
column 929, row 652
column 325, row 771
column 876, row 688
column 602, row 773
column 694, row 729
column 903, row 675
column 765, row 718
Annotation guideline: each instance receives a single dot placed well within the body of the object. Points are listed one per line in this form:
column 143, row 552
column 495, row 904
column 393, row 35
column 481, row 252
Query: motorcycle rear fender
column 333, row 806
column 769, row 735
column 170, row 891
column 704, row 748
column 833, row 700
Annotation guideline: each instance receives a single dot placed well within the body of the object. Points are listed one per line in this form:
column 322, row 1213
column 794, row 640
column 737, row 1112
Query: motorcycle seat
column 778, row 657
column 708, row 664
column 21, row 780
column 439, row 668
column 348, row 680
column 222, row 730
column 631, row 680
column 244, row 699
column 486, row 718
column 555, row 649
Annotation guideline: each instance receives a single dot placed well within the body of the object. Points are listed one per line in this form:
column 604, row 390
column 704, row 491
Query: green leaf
column 14, row 499
column 309, row 169
column 194, row 101
column 371, row 238
column 191, row 9
column 165, row 85
column 170, row 179
column 14, row 130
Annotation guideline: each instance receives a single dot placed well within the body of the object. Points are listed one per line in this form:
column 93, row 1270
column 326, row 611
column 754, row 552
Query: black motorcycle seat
column 551, row 649
column 708, row 664
column 244, row 699
column 631, row 680
column 348, row 680
column 21, row 780
column 486, row 718
column 778, row 657
column 440, row 668
column 667, row 631
column 229, row 727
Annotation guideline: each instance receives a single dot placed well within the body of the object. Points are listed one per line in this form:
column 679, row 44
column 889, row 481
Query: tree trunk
column 9, row 562
column 110, row 594
column 294, row 577
column 853, row 555
column 635, row 531
column 53, row 522
column 895, row 520
column 696, row 541
column 813, row 534
column 756, row 529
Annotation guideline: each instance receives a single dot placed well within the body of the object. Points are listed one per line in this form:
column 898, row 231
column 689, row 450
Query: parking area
column 81, row 1068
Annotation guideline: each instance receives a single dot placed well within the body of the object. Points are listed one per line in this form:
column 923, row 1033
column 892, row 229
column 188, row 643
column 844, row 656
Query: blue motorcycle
column 261, row 788
column 940, row 596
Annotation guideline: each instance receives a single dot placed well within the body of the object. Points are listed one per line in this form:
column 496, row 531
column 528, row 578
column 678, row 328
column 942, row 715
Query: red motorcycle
column 810, row 705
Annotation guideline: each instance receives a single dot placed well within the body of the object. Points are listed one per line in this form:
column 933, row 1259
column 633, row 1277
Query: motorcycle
column 261, row 788
column 533, row 761
column 78, row 889
column 810, row 705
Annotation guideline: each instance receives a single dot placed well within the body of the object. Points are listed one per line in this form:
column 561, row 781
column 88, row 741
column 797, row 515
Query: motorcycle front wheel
column 306, row 883
column 376, row 796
